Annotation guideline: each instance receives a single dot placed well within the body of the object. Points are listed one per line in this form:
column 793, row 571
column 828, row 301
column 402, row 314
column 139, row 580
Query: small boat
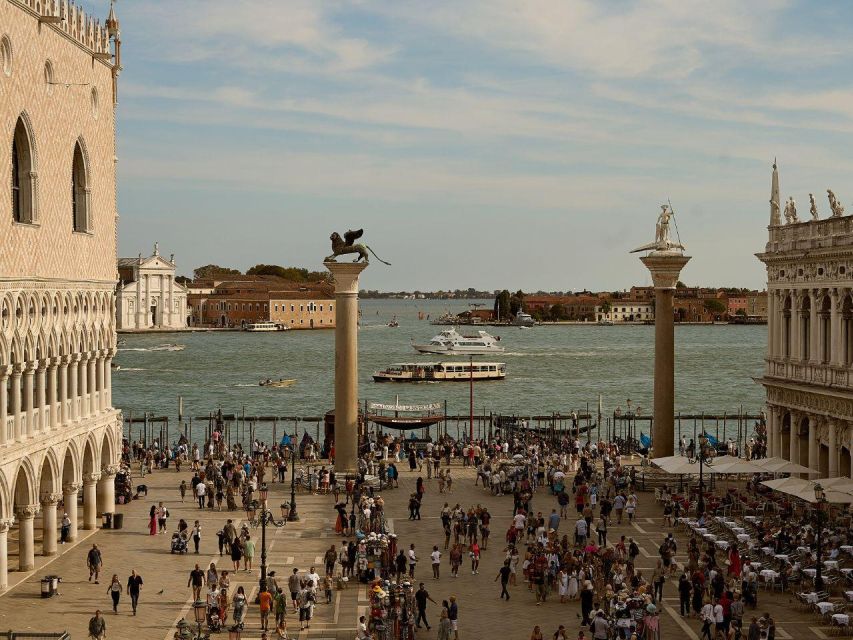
column 441, row 372
column 605, row 323
column 265, row 326
column 281, row 382
column 405, row 417
column 394, row 324
column 523, row 320
column 451, row 342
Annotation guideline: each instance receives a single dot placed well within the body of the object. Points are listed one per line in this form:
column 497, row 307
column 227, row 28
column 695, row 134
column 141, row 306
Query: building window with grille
column 23, row 175
column 80, row 192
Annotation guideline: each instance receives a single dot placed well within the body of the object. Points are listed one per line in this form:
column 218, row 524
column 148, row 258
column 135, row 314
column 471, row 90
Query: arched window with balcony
column 80, row 189
column 24, row 176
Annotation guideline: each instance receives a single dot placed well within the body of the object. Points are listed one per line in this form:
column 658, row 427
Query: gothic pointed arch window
column 80, row 205
column 23, row 174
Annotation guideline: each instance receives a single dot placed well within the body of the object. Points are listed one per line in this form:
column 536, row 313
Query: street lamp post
column 700, row 507
column 265, row 517
column 820, row 499
column 200, row 612
column 617, row 414
column 292, row 516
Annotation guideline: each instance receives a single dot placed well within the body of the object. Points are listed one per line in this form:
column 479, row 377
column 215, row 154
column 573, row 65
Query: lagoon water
column 549, row 368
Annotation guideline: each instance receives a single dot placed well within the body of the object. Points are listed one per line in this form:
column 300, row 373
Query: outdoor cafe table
column 811, row 573
column 710, row 537
column 768, row 551
column 781, row 556
column 769, row 576
column 738, row 529
column 722, row 544
column 823, row 607
column 830, row 564
column 849, row 596
column 811, row 598
column 752, row 519
column 841, row 619
column 743, row 537
column 847, row 548
column 701, row 531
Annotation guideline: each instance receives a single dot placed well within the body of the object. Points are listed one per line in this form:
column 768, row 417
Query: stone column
column 73, row 378
column 53, row 419
column 63, row 412
column 794, row 352
column 16, row 401
column 771, row 328
column 147, row 314
column 48, row 515
column 345, row 276
column 28, row 401
column 90, row 497
column 772, row 417
column 4, row 554
column 836, row 355
column 41, row 422
column 4, row 403
column 665, row 267
column 106, row 490
column 832, row 444
column 99, row 380
column 793, row 452
column 108, row 378
column 26, row 544
column 814, row 447
column 92, row 404
column 814, row 327
column 82, row 385
column 69, row 499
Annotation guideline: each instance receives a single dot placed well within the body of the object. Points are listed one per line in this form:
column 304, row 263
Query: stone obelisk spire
column 775, row 211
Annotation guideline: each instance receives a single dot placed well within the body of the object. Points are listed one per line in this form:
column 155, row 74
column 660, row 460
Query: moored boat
column 281, row 382
column 441, row 371
column 265, row 325
column 523, row 320
column 452, row 342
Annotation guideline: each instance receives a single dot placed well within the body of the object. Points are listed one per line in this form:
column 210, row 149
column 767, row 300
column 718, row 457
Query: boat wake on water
column 159, row 347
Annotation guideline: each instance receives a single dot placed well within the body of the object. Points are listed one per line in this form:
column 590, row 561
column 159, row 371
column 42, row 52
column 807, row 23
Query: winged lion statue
column 346, row 245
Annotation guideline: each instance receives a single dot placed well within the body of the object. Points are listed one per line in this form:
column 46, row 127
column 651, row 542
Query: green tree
column 214, row 271
column 606, row 308
column 715, row 306
column 680, row 285
column 183, row 279
column 292, row 274
column 502, row 309
column 558, row 312
column 741, row 313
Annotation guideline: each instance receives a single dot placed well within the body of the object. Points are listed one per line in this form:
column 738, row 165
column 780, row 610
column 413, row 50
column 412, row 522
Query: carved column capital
column 91, row 478
column 55, row 362
column 50, row 499
column 26, row 511
column 5, row 525
column 109, row 471
column 5, row 371
column 71, row 488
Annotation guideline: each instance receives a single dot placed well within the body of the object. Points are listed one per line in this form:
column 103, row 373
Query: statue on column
column 834, row 204
column 791, row 211
column 662, row 242
column 813, row 207
column 346, row 245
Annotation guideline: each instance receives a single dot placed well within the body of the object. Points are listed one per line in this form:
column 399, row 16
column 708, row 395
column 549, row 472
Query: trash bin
column 118, row 520
column 108, row 521
column 46, row 591
column 54, row 584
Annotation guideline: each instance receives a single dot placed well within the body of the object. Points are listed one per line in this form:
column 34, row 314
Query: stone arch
column 107, row 448
column 90, row 462
column 41, row 346
column 4, row 350
column 6, row 509
column 49, row 478
column 23, row 491
column 16, row 351
column 29, row 348
column 71, row 464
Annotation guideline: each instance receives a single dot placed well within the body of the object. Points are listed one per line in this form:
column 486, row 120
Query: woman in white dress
column 563, row 584
column 572, row 588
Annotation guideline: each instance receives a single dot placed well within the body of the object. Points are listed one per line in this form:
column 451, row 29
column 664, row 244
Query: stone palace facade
column 60, row 438
column 148, row 296
column 808, row 375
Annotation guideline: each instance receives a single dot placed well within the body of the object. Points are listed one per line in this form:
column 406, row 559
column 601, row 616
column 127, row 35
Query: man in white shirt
column 581, row 531
column 519, row 521
column 200, row 492
column 314, row 577
column 413, row 560
column 435, row 556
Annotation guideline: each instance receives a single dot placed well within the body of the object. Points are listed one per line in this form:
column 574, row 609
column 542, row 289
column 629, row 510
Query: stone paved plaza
column 166, row 598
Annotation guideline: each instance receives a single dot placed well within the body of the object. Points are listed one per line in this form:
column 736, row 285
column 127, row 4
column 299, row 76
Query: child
column 327, row 587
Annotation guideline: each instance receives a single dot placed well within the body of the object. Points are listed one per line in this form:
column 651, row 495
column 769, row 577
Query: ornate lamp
column 819, row 494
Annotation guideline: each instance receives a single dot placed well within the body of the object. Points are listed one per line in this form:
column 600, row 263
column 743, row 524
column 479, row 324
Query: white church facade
column 147, row 295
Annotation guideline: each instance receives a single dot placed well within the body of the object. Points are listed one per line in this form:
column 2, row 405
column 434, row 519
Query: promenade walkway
column 165, row 596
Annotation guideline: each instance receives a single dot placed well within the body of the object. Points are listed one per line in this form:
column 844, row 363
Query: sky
column 480, row 143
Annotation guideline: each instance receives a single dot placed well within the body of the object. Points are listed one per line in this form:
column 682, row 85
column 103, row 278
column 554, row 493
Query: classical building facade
column 147, row 296
column 809, row 370
column 60, row 438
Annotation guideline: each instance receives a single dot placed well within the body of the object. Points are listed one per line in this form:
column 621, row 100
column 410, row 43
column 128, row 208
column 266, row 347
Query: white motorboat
column 451, row 342
column 441, row 371
column 523, row 320
column 265, row 326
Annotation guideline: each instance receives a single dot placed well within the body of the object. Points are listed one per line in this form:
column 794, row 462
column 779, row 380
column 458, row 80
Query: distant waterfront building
column 625, row 310
column 148, row 296
column 59, row 432
column 752, row 305
column 236, row 301
column 809, row 364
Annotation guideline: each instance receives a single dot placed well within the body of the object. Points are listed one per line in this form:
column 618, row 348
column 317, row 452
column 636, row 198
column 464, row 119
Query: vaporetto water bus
column 451, row 342
column 441, row 371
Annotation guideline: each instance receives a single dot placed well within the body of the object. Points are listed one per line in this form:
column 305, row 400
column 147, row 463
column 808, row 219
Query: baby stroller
column 179, row 543
column 214, row 624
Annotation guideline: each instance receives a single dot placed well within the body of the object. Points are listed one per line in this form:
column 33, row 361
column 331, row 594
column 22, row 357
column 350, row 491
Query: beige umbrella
column 780, row 465
column 804, row 490
column 728, row 464
column 677, row 465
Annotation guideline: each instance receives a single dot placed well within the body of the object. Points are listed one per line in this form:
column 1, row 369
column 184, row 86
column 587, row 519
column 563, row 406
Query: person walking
column 294, row 586
column 65, row 529
column 134, row 586
column 196, row 581
column 200, row 492
column 240, row 603
column 444, row 626
column 115, row 590
column 248, row 553
column 196, row 536
column 503, row 575
column 453, row 615
column 435, row 557
column 94, row 560
column 152, row 520
column 265, row 604
column 413, row 560
column 421, row 598
column 97, row 626
column 162, row 516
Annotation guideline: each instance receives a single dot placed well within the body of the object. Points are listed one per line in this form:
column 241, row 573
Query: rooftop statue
column 791, row 211
column 662, row 242
column 346, row 245
column 813, row 207
column 834, row 204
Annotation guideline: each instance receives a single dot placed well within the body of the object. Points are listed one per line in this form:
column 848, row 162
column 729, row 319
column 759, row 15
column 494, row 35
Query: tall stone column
column 93, row 407
column 771, row 329
column 106, row 490
column 26, row 544
column 832, row 444
column 814, row 447
column 90, row 500
column 4, row 404
column 48, row 515
column 836, row 354
column 16, row 402
column 794, row 440
column 108, row 379
column 27, row 410
column 665, row 267
column 99, row 380
column 82, row 387
column 771, row 429
column 41, row 422
column 73, row 379
column 794, row 343
column 52, row 402
column 814, row 327
column 346, row 275
column 4, row 554
column 69, row 499
column 63, row 411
